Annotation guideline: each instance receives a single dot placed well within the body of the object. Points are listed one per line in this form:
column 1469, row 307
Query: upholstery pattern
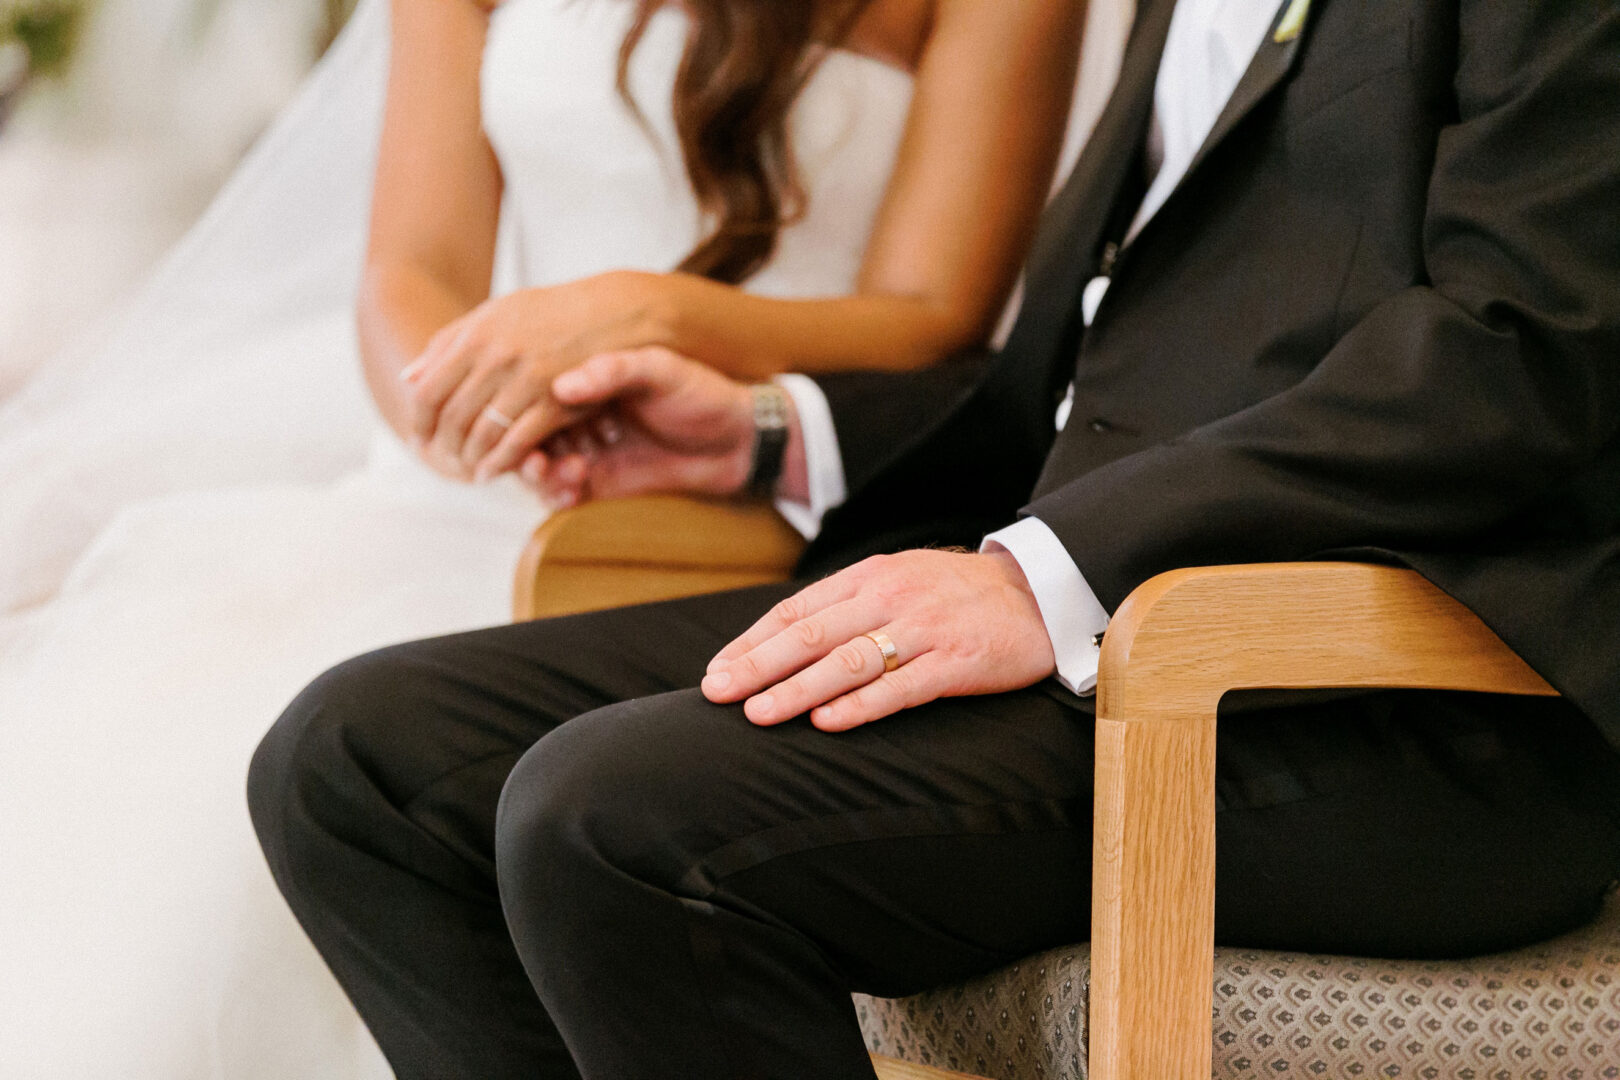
column 1023, row 1022
column 1548, row 1012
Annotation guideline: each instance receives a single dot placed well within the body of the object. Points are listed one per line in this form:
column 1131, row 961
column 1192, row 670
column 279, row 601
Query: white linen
column 199, row 513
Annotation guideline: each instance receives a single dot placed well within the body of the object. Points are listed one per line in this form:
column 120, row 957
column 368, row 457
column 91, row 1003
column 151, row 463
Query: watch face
column 770, row 408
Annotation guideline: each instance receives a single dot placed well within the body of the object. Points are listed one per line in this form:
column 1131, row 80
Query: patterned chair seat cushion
column 1548, row 1012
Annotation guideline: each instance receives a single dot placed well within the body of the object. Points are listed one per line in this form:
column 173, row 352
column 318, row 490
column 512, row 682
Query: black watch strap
column 771, row 406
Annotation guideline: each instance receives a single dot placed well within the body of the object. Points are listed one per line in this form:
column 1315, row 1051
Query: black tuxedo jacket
column 1380, row 318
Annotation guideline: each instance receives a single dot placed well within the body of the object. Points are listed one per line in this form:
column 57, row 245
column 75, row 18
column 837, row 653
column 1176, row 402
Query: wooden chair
column 1178, row 644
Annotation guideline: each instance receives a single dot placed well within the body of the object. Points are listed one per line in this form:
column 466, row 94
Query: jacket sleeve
column 1453, row 407
column 878, row 415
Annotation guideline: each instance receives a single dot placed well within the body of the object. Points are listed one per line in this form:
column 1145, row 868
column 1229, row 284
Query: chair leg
column 1153, row 899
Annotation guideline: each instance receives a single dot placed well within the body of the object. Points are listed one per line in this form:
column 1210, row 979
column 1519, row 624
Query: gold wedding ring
column 500, row 419
column 891, row 655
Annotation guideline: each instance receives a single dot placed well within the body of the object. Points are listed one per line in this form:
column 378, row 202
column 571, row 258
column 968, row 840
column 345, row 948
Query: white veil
column 234, row 361
column 284, row 233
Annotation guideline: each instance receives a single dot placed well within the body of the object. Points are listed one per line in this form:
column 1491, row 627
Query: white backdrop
column 101, row 173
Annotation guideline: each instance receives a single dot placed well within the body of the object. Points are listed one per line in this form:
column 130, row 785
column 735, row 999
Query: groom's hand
column 659, row 422
column 958, row 623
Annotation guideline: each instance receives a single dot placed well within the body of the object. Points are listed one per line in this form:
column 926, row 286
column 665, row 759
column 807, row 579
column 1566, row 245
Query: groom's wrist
column 794, row 483
column 770, row 407
column 769, row 462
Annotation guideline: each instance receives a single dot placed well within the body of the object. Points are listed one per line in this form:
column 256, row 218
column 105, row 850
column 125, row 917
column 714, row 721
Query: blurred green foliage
column 46, row 28
column 49, row 29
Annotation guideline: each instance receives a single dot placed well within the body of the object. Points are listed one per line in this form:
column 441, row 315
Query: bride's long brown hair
column 745, row 63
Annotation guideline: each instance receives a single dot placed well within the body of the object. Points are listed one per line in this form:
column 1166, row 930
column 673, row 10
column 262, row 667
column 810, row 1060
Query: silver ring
column 495, row 416
column 891, row 655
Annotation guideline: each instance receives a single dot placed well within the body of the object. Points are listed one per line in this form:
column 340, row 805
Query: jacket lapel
column 1063, row 256
column 1272, row 63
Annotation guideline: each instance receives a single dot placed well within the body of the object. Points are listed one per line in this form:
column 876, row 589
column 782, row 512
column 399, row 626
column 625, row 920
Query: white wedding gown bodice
column 189, row 534
column 587, row 188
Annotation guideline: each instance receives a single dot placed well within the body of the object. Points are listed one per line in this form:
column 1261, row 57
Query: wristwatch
column 771, row 408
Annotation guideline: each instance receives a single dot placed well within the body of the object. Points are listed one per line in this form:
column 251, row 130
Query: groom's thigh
column 431, row 728
column 957, row 836
column 915, row 850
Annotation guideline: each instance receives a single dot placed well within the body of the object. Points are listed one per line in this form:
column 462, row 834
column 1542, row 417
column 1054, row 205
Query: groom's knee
column 310, row 762
column 631, row 793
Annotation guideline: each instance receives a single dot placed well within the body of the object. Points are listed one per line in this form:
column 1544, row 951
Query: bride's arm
column 436, row 197
column 994, row 82
column 993, row 87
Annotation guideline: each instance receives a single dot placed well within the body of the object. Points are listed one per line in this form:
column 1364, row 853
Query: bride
column 199, row 512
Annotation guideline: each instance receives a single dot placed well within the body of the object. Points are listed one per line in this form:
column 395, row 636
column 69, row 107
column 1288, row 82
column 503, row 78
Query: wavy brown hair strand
column 745, row 63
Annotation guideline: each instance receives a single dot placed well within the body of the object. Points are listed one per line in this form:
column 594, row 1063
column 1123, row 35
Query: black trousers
column 535, row 851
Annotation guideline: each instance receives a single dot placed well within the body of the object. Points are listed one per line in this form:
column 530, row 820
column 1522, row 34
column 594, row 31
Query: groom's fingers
column 792, row 649
column 609, row 375
column 917, row 683
column 801, row 605
column 848, row 667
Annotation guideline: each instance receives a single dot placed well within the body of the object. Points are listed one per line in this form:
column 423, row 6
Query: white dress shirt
column 1210, row 45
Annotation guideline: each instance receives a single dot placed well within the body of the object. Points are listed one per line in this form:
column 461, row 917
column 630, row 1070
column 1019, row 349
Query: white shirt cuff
column 1073, row 615
column 822, row 458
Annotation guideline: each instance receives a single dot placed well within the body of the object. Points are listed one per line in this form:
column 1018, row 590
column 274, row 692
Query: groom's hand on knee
column 887, row 634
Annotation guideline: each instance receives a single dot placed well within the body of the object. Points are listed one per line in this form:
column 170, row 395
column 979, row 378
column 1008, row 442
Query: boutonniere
column 1293, row 21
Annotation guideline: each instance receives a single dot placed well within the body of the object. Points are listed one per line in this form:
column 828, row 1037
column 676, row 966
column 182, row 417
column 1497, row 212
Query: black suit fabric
column 536, row 851
column 1380, row 317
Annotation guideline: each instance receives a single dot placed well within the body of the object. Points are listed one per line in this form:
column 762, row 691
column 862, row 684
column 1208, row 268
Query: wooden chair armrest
column 1178, row 644
column 636, row 551
column 889, row 1068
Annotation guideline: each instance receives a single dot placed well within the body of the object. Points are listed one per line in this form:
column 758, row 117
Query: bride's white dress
column 199, row 512
column 188, row 540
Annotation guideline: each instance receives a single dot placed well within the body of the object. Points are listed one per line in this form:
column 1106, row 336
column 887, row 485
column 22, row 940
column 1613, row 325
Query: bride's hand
column 486, row 378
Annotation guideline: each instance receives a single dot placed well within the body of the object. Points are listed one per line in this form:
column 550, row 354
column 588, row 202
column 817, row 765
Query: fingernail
column 715, row 665
column 764, row 704
column 717, row 681
column 411, row 371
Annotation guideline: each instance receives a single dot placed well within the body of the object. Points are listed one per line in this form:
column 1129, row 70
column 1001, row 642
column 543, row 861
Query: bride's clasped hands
column 479, row 397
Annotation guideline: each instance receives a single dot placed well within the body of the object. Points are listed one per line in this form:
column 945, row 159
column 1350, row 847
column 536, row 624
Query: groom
column 1369, row 306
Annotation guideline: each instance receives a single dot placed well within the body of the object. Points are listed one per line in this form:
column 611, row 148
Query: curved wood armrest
column 1175, row 647
column 889, row 1068
column 636, row 551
